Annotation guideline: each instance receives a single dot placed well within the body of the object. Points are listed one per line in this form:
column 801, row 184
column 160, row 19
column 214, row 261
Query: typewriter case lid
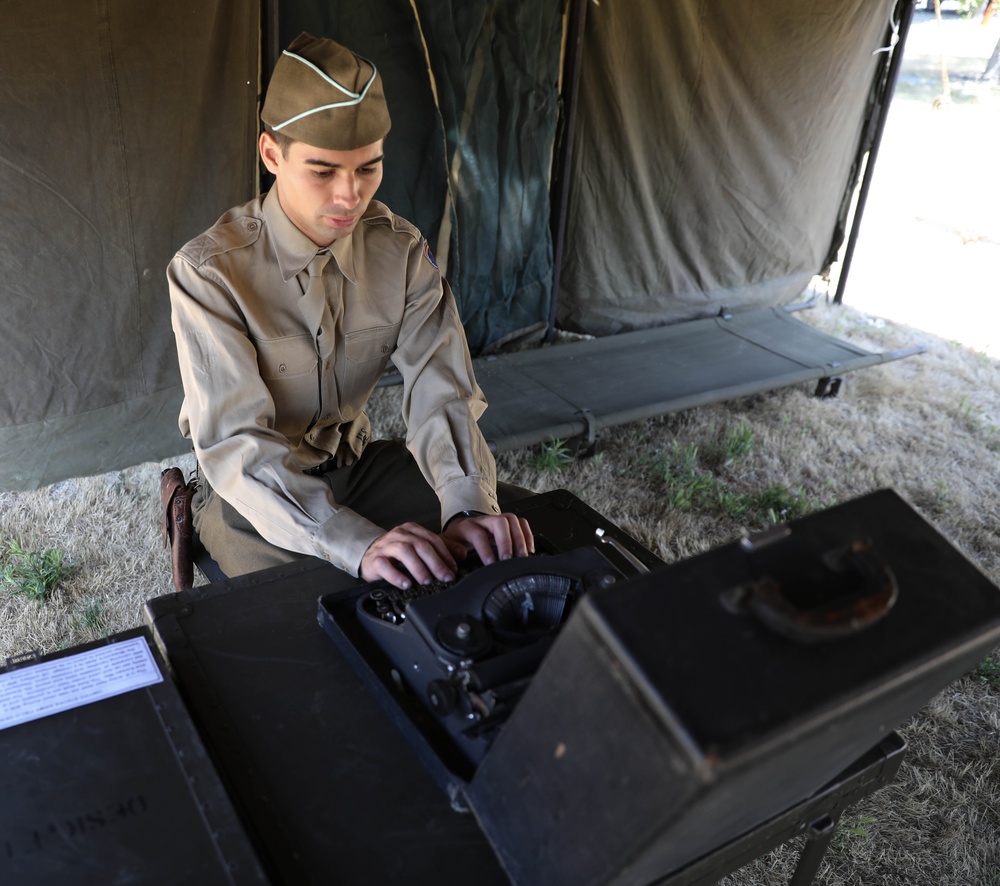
column 754, row 644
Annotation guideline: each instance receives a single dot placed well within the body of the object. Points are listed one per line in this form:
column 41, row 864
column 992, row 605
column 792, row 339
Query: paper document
column 38, row 690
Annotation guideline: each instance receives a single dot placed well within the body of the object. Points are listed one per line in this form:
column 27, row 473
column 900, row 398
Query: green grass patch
column 848, row 830
column 90, row 615
column 552, row 457
column 687, row 484
column 942, row 497
column 33, row 574
column 691, row 483
column 779, row 504
column 968, row 416
column 734, row 444
column 987, row 672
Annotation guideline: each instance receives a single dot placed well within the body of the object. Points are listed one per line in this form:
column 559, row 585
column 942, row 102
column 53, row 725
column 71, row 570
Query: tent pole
column 905, row 10
column 573, row 64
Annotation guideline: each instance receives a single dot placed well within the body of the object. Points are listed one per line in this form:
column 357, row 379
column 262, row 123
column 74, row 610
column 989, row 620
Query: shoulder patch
column 430, row 256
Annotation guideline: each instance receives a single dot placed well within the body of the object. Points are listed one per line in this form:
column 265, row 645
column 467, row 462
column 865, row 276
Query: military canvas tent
column 607, row 168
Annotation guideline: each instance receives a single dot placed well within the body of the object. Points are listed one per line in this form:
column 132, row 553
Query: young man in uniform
column 286, row 313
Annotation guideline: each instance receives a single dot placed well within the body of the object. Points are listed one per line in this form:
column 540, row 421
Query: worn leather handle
column 857, row 590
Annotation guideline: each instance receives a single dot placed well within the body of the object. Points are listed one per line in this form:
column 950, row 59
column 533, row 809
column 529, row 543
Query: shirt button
column 282, row 367
column 252, row 226
column 385, row 349
column 326, row 417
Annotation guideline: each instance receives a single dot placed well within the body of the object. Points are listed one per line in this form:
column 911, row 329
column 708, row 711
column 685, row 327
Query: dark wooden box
column 681, row 709
column 116, row 789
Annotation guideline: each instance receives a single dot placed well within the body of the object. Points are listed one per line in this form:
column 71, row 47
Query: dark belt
column 328, row 465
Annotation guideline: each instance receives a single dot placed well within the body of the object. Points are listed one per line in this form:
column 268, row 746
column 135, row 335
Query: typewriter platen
column 467, row 651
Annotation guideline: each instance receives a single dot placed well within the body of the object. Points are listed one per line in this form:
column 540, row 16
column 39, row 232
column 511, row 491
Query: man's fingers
column 411, row 553
column 386, row 569
column 493, row 537
column 527, row 538
column 459, row 550
column 514, row 537
column 411, row 549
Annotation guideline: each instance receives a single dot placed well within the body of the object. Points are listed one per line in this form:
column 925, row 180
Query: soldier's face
column 324, row 193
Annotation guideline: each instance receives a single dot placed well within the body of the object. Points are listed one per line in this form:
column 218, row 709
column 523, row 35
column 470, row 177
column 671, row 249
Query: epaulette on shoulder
column 223, row 237
column 380, row 214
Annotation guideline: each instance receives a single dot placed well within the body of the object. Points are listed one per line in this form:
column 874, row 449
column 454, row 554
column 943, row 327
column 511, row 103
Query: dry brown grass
column 927, row 426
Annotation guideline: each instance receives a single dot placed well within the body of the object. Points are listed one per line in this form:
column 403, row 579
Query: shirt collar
column 294, row 250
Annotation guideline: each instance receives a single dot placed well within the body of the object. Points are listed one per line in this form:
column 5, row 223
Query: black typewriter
column 465, row 651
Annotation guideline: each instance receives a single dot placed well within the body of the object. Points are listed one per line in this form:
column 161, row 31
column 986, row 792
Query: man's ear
column 269, row 152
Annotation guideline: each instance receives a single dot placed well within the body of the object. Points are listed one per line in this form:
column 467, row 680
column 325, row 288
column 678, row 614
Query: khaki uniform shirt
column 277, row 374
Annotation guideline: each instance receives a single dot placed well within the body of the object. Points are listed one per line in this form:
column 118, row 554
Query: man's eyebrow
column 315, row 161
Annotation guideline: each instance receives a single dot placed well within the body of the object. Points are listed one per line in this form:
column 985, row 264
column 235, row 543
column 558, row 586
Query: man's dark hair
column 283, row 141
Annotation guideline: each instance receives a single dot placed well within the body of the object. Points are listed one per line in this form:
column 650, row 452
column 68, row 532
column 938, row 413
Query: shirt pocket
column 289, row 369
column 282, row 358
column 366, row 353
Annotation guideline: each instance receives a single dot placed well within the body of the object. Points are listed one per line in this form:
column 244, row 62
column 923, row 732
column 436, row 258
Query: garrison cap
column 323, row 94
